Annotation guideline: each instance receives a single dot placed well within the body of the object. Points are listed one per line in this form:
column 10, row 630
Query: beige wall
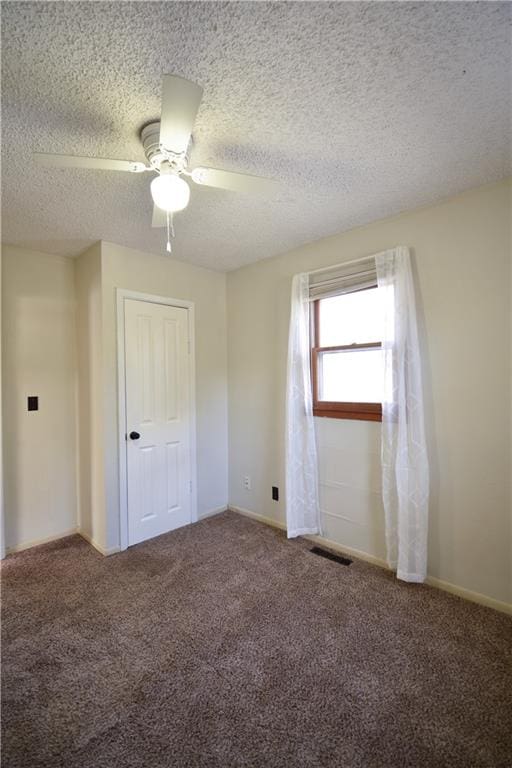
column 38, row 358
column 90, row 459
column 350, row 484
column 60, row 342
column 2, row 522
column 161, row 276
column 462, row 252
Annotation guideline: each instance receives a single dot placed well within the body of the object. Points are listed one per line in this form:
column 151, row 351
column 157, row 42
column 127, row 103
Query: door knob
column 134, row 435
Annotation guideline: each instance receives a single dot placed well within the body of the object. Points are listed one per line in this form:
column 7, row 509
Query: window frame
column 335, row 409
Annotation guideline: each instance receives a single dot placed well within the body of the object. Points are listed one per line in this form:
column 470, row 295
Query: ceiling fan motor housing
column 156, row 154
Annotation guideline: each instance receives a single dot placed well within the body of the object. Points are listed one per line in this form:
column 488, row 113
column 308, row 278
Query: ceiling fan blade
column 159, row 217
column 237, row 182
column 98, row 163
column 180, row 102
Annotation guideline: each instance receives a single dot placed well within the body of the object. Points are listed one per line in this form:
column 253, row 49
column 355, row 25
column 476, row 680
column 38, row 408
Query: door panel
column 173, row 476
column 171, row 342
column 158, row 408
column 147, row 466
column 145, row 348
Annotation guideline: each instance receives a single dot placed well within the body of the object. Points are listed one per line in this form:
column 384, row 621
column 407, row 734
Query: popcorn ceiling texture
column 362, row 110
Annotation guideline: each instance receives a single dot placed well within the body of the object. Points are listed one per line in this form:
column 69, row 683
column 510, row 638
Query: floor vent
column 330, row 555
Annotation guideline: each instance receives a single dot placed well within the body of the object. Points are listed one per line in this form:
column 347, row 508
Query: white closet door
column 158, row 419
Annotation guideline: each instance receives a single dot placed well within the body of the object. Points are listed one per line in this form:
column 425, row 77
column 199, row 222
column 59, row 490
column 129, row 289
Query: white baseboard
column 212, row 512
column 453, row 589
column 115, row 550
column 467, row 594
column 98, row 547
column 315, row 539
column 38, row 542
column 63, row 535
column 260, row 518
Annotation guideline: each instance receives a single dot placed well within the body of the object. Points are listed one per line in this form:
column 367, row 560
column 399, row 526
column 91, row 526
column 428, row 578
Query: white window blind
column 343, row 279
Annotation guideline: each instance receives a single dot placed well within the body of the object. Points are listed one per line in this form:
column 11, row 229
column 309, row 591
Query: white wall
column 350, row 484
column 90, row 459
column 2, row 522
column 60, row 342
column 162, row 276
column 38, row 358
column 462, row 254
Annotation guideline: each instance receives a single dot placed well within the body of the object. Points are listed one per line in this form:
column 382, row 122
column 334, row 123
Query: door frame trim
column 121, row 295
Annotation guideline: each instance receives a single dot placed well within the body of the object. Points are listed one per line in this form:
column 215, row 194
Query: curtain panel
column 405, row 469
column 302, row 503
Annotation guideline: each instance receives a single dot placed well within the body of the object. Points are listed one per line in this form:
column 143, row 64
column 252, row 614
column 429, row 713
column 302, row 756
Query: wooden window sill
column 357, row 411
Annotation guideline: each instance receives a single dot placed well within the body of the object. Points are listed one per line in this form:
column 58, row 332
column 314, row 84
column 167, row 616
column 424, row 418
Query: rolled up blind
column 343, row 279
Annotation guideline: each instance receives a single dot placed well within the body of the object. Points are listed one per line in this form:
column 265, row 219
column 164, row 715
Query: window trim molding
column 337, row 410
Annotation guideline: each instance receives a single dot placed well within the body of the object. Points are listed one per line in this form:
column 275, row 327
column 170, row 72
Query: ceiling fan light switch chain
column 170, row 231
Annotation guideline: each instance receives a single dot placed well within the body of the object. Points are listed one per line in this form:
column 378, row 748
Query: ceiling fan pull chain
column 170, row 229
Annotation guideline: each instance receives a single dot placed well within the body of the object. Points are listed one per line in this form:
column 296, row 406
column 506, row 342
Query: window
column 346, row 357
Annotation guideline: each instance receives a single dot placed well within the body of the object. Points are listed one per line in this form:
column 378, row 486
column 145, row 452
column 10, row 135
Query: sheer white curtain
column 405, row 471
column 302, row 505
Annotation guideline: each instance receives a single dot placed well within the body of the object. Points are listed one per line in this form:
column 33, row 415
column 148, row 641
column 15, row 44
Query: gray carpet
column 223, row 644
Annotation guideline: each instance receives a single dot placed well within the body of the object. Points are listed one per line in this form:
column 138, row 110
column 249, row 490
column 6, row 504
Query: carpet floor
column 223, row 644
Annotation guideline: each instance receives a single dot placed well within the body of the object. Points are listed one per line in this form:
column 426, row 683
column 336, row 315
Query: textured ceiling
column 362, row 110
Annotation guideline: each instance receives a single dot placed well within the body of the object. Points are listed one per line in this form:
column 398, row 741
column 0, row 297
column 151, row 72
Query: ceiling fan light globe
column 170, row 192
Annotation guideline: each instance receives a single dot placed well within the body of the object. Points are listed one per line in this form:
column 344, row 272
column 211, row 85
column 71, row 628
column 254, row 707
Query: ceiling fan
column 166, row 145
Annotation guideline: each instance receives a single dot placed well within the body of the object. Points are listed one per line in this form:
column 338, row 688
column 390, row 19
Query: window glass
column 353, row 318
column 350, row 377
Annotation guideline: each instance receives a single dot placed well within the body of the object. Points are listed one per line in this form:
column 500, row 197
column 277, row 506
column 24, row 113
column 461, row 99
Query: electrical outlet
column 247, row 482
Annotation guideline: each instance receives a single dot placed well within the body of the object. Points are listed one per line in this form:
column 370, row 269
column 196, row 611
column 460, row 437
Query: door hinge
column 190, row 486
column 188, row 346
